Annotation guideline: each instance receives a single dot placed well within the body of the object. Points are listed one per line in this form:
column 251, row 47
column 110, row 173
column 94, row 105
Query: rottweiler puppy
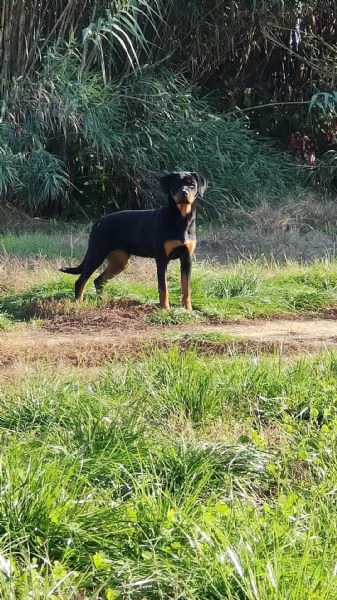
column 165, row 234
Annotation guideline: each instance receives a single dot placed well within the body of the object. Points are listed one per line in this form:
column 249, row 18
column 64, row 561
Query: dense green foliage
column 107, row 95
column 127, row 132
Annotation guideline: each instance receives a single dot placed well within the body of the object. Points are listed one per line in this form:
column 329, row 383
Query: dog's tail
column 74, row 270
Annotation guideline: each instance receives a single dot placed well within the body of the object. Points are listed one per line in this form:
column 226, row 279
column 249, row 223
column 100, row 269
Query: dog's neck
column 184, row 225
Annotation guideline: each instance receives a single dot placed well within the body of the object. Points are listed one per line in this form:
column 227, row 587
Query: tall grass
column 105, row 491
column 123, row 135
column 99, row 98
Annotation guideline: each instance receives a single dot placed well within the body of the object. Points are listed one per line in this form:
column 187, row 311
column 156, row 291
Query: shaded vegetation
column 98, row 98
column 127, row 132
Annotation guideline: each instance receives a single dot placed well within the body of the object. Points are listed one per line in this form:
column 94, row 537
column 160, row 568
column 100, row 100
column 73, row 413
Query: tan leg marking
column 163, row 300
column 81, row 290
column 118, row 261
column 190, row 245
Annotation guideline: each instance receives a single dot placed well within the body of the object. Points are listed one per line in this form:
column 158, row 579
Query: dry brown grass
column 301, row 230
column 226, row 429
column 19, row 275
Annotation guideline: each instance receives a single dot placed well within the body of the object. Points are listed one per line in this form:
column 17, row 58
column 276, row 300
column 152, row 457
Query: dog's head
column 184, row 188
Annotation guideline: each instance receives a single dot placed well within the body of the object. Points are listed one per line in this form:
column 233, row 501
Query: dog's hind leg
column 118, row 261
column 89, row 267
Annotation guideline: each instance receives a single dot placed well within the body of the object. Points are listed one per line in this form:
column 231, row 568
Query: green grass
column 53, row 244
column 244, row 290
column 6, row 323
column 248, row 289
column 174, row 316
column 171, row 477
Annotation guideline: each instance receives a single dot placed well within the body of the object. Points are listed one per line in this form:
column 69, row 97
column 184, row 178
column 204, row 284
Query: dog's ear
column 166, row 182
column 202, row 183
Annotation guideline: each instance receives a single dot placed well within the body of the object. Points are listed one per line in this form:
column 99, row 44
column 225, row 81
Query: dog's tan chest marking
column 185, row 209
column 171, row 245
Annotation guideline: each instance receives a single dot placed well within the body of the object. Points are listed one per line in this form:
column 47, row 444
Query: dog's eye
column 191, row 184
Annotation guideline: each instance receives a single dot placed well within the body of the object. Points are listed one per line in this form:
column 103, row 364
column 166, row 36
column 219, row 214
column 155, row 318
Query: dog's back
column 132, row 231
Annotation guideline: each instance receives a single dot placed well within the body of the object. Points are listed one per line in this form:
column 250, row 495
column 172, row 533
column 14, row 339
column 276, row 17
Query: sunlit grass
column 163, row 477
column 173, row 475
column 58, row 241
column 248, row 289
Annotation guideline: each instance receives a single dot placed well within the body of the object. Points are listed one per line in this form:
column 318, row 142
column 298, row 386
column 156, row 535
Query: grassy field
column 168, row 474
column 171, row 477
column 244, row 288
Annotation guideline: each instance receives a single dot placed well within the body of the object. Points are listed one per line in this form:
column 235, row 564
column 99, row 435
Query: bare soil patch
column 65, row 316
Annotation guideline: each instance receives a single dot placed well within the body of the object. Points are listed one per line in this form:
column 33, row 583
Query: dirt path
column 89, row 340
column 313, row 333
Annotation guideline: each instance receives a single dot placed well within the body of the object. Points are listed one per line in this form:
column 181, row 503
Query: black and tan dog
column 163, row 234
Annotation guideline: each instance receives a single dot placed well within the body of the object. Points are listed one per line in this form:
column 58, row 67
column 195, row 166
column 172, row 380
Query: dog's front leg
column 185, row 270
column 162, row 282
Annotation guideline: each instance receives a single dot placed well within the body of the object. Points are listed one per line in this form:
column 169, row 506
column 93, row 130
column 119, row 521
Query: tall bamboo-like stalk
column 208, row 41
column 74, row 75
column 108, row 29
column 26, row 29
